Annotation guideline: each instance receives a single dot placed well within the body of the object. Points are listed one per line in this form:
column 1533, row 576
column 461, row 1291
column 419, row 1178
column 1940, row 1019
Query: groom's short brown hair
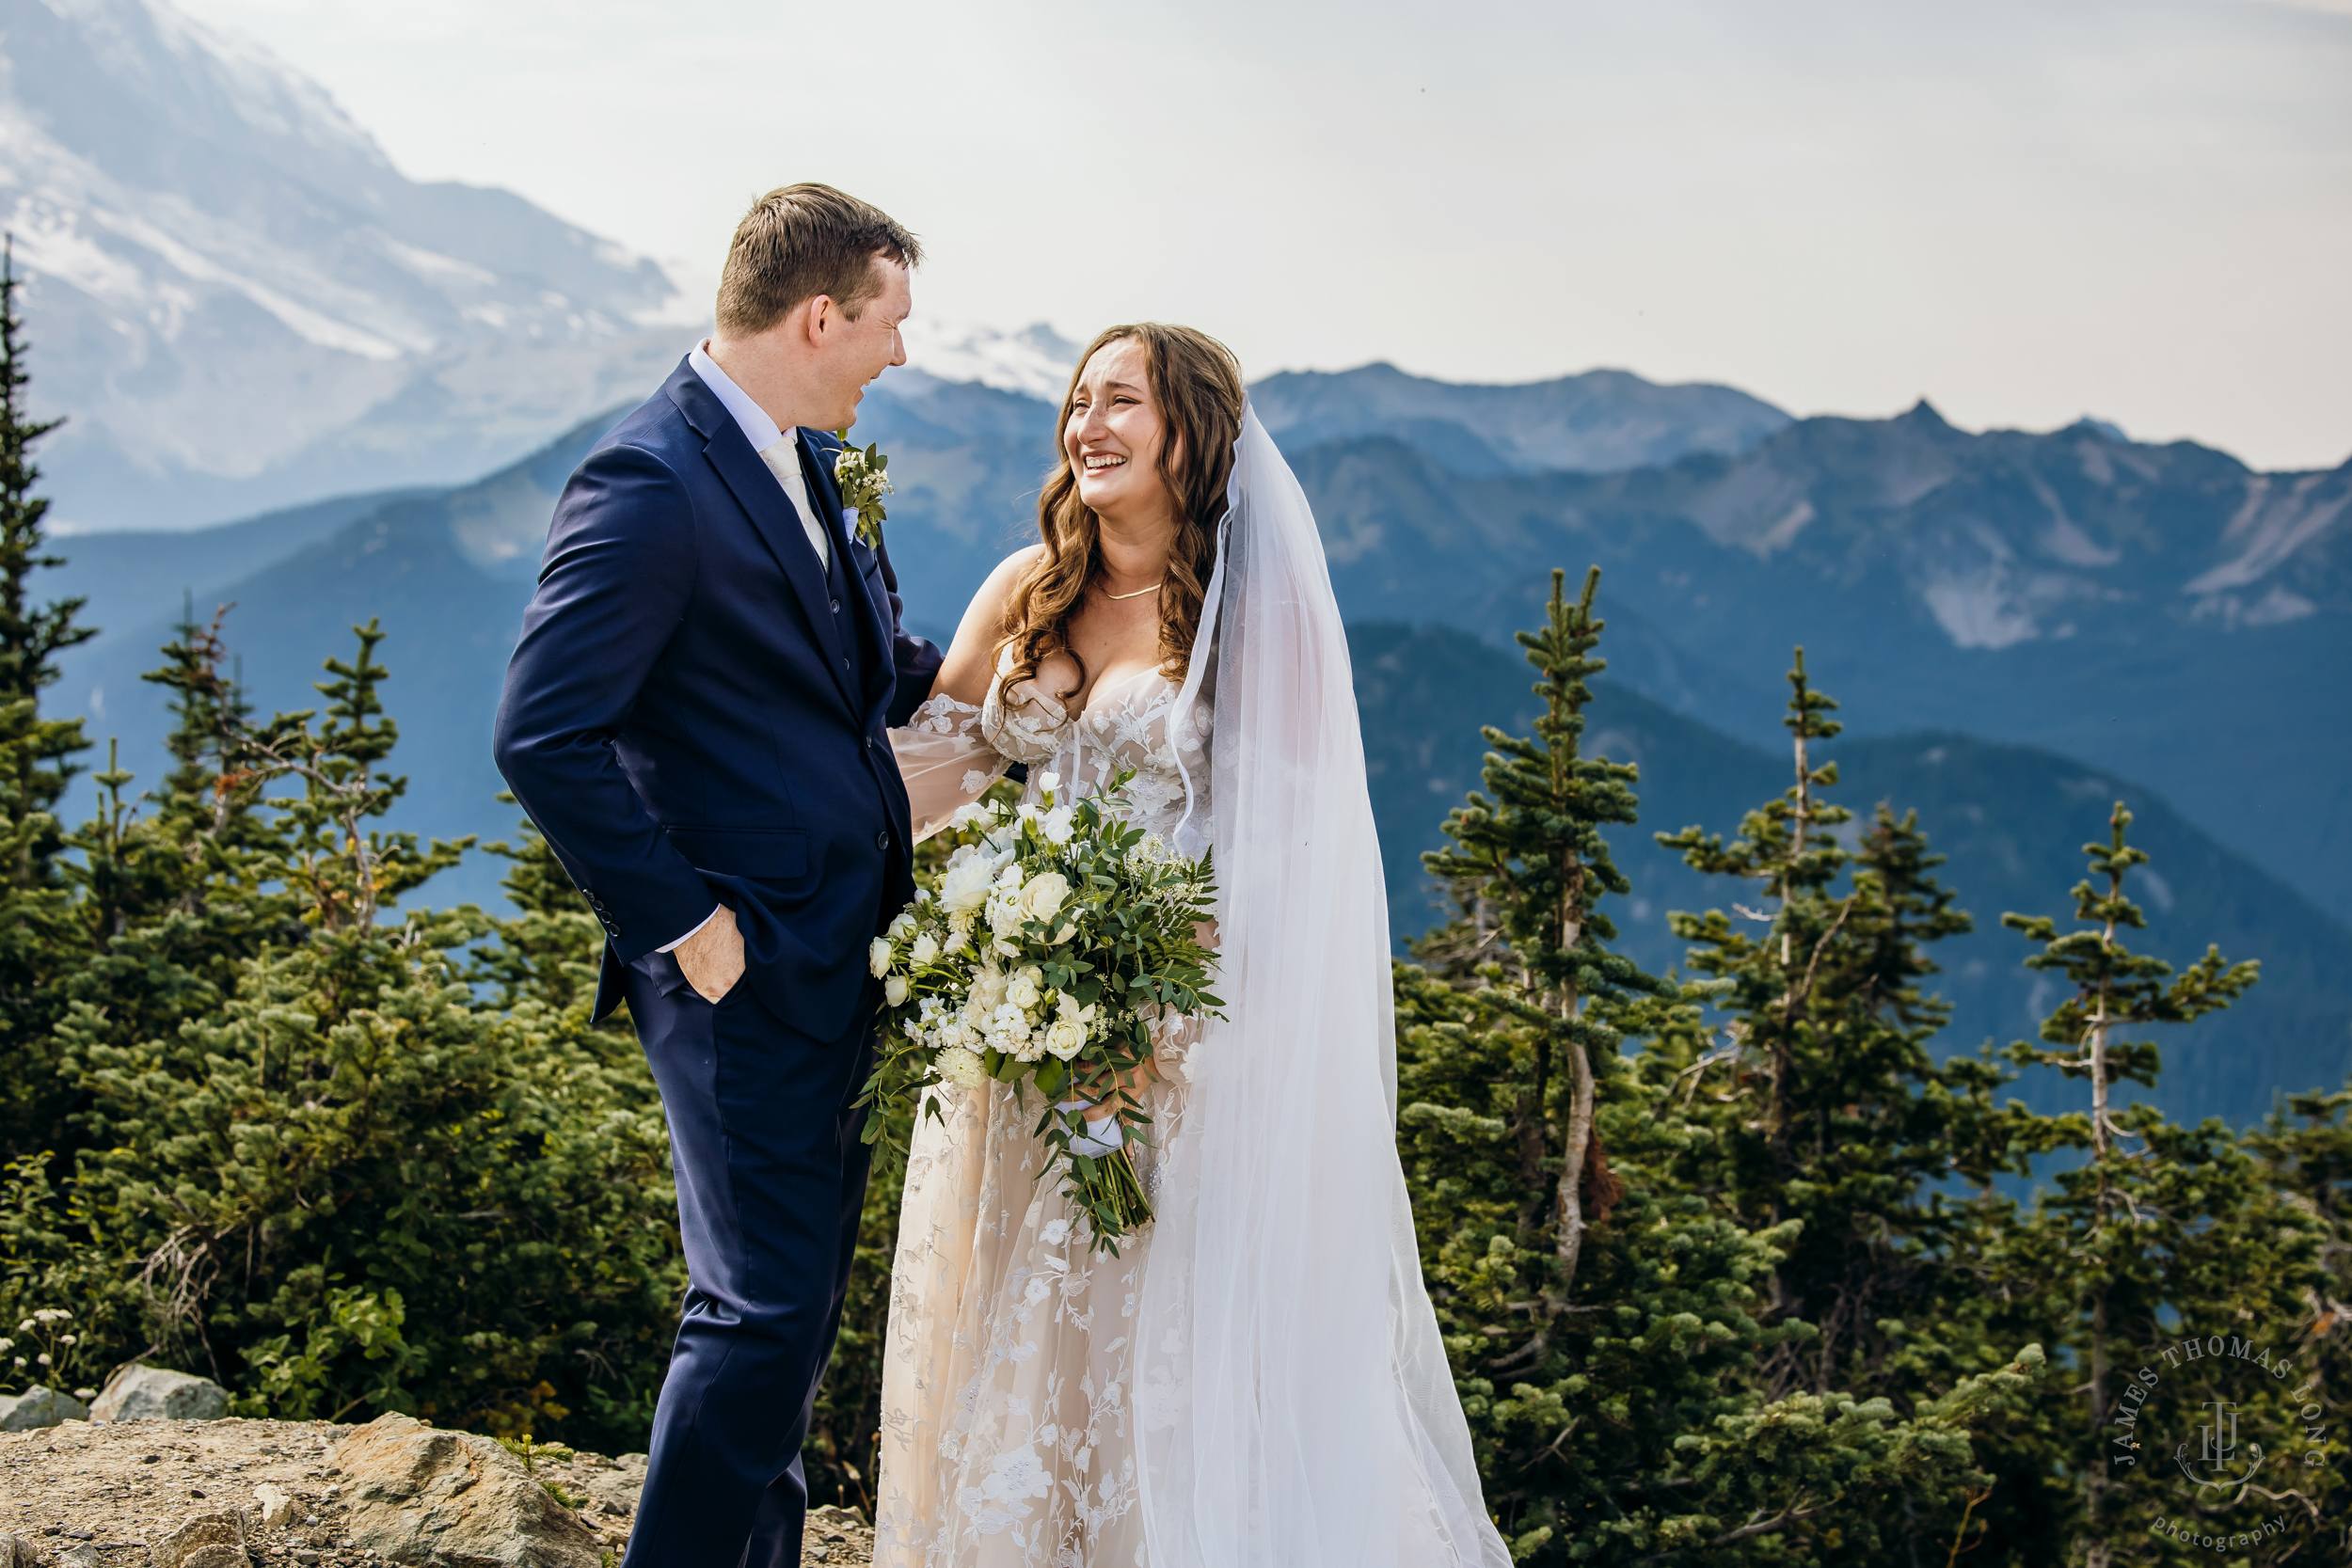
column 802, row 241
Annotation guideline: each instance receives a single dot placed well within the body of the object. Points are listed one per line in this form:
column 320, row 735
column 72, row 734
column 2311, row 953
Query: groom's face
column 854, row 352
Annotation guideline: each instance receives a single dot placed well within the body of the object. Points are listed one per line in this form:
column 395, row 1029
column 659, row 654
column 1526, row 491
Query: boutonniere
column 863, row 483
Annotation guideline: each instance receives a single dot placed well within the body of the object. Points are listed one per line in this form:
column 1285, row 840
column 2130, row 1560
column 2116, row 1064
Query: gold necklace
column 1138, row 593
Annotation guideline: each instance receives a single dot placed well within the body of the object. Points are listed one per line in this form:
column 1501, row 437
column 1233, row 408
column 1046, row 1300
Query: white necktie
column 784, row 461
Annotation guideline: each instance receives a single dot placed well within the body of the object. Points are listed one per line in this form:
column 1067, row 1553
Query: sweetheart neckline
column 1093, row 697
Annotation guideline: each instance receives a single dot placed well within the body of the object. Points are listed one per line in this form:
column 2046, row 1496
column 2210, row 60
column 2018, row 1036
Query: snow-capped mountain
column 240, row 302
column 1035, row 361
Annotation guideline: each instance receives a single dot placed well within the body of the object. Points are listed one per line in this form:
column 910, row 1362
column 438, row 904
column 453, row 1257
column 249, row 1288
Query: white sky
column 2137, row 209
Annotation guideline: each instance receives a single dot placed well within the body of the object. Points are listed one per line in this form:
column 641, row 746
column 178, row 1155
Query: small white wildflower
column 1056, row 825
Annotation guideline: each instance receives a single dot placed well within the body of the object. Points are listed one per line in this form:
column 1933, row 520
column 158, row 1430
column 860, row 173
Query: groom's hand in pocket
column 713, row 959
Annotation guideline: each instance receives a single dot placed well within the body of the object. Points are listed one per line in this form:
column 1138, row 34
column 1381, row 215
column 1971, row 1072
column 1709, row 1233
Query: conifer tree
column 35, row 764
column 1831, row 1115
column 1619, row 1409
column 1535, row 855
column 320, row 1167
column 2162, row 1223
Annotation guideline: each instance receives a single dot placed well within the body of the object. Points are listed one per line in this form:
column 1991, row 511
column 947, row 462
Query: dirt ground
column 94, row 1496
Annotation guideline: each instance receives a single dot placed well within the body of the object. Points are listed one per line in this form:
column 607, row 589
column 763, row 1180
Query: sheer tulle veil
column 1296, row 1408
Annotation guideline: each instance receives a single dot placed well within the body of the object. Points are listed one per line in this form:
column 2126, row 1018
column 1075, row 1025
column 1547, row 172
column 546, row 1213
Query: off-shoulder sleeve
column 944, row 762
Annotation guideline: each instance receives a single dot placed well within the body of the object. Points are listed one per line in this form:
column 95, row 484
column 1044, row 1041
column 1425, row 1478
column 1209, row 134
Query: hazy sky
column 2025, row 211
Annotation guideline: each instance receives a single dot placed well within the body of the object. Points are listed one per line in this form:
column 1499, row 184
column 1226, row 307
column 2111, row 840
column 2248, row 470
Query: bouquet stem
column 1105, row 1186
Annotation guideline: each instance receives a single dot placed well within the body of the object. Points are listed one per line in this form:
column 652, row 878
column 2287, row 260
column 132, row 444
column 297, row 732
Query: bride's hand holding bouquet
column 1058, row 948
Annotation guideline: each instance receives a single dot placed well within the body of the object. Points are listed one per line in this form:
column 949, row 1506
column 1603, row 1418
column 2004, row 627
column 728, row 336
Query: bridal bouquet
column 1055, row 946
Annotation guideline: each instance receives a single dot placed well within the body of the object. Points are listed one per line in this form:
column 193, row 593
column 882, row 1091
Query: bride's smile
column 1114, row 436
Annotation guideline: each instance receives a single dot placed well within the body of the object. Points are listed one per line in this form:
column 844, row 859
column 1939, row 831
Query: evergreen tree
column 2161, row 1226
column 34, row 763
column 1607, row 1332
column 1829, row 1110
column 316, row 1164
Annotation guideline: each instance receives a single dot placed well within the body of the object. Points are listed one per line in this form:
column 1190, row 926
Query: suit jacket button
column 881, row 842
column 837, row 606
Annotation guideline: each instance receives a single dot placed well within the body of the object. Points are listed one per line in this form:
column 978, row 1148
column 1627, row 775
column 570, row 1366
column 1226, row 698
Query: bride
column 1256, row 1380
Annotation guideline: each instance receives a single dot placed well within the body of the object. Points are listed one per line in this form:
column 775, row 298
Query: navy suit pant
column 770, row 1179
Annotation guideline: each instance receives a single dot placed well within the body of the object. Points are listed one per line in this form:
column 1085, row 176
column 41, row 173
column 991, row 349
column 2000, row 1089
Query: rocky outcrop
column 39, row 1407
column 453, row 1500
column 142, row 1393
column 210, row 1541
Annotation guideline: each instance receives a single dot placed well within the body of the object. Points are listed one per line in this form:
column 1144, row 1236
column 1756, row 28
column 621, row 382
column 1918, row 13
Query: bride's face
column 1114, row 436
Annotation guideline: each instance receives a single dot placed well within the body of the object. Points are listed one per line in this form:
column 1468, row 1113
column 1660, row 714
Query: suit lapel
column 771, row 511
column 816, row 457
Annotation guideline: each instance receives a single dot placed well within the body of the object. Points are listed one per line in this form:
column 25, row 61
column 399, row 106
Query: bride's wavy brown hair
column 1196, row 383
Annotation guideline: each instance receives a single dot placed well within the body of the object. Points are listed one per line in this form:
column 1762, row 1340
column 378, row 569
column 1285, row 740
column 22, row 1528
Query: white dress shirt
column 781, row 450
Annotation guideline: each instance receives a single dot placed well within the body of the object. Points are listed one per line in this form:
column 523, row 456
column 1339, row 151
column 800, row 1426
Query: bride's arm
column 942, row 755
column 971, row 661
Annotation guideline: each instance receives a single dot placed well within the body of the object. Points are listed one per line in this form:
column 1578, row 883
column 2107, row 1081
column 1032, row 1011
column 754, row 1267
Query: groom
column 695, row 719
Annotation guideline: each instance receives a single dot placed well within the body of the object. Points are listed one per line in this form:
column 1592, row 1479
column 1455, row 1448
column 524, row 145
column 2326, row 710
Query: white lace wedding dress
column 1256, row 1380
column 1009, row 1379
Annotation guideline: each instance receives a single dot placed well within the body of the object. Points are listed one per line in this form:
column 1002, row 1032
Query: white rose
column 965, row 887
column 903, row 927
column 878, row 957
column 926, row 948
column 1045, row 894
column 1056, row 825
column 1049, row 782
column 895, row 989
column 1021, row 992
column 959, row 1066
column 1065, row 1038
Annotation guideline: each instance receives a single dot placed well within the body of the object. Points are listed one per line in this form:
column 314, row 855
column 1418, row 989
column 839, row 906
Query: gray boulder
column 140, row 1393
column 39, row 1408
column 420, row 1496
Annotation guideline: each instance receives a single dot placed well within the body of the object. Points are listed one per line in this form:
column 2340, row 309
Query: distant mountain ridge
column 1597, row 422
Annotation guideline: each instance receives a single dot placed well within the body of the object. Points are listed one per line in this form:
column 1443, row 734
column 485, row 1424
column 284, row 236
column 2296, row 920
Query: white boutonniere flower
column 862, row 478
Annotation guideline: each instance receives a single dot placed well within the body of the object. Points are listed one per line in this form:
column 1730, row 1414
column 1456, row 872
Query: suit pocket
column 770, row 853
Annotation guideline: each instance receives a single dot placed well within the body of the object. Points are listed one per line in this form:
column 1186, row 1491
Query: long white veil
column 1296, row 1409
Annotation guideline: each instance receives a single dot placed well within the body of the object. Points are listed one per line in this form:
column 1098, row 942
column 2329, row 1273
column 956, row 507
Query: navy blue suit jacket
column 694, row 717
